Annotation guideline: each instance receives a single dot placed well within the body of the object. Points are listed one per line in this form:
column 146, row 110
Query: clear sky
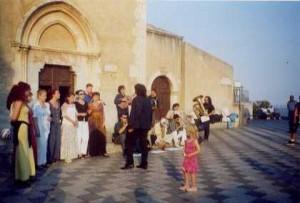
column 261, row 40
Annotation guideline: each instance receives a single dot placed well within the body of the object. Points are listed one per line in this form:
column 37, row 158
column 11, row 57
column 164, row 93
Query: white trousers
column 82, row 137
column 173, row 136
column 182, row 135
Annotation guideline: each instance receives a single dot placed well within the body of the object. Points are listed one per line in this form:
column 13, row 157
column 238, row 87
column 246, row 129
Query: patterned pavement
column 252, row 164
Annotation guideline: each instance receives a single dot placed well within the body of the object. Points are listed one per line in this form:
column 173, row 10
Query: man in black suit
column 140, row 120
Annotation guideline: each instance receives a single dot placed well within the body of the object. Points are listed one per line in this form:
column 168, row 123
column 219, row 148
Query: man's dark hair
column 291, row 97
column 175, row 105
column 140, row 90
column 89, row 85
column 120, row 88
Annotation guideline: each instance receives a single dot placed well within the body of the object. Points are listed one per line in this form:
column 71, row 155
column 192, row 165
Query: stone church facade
column 67, row 43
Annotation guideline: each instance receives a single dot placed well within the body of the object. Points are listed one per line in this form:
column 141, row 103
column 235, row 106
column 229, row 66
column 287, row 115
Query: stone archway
column 56, row 32
column 162, row 86
column 40, row 17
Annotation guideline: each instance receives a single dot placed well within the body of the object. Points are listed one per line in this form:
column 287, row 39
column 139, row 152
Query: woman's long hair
column 53, row 93
column 140, row 90
column 209, row 100
column 17, row 93
column 68, row 96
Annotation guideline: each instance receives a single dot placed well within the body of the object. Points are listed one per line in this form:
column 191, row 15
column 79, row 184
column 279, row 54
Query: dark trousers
column 131, row 139
column 291, row 120
column 206, row 128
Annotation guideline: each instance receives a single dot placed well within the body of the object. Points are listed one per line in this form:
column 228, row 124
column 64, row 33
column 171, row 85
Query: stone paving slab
column 252, row 164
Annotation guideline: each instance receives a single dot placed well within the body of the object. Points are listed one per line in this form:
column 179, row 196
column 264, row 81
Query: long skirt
column 54, row 142
column 24, row 159
column 82, row 137
column 42, row 145
column 97, row 143
column 68, row 149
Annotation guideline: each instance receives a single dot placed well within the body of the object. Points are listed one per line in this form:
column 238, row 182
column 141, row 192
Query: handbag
column 204, row 119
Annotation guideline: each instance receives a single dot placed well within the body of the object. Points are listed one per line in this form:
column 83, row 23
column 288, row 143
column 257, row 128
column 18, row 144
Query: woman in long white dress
column 41, row 114
column 69, row 149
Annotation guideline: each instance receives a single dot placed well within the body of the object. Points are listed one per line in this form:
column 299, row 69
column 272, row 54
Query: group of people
column 46, row 131
column 50, row 130
column 170, row 131
column 134, row 121
column 139, row 126
column 293, row 114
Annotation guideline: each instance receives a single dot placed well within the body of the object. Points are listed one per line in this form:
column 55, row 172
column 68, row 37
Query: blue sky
column 261, row 40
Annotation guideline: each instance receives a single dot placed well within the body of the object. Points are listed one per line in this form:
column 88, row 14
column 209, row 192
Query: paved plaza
column 251, row 164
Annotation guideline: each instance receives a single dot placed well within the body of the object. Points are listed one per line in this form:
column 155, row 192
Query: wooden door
column 162, row 86
column 57, row 77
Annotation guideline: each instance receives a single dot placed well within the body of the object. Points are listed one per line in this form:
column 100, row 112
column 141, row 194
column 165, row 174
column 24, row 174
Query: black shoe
column 126, row 167
column 22, row 184
column 142, row 166
column 291, row 142
column 32, row 179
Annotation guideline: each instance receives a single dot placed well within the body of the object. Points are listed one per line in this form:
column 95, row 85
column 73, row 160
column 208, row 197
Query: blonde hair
column 192, row 131
column 40, row 92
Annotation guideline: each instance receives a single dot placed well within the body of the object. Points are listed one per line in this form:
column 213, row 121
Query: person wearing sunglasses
column 83, row 127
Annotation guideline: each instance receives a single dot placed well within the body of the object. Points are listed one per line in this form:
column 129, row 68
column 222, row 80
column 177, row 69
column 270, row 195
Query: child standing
column 190, row 162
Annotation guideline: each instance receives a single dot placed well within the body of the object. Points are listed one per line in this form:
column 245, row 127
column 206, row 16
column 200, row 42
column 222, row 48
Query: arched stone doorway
column 58, row 77
column 56, row 32
column 163, row 89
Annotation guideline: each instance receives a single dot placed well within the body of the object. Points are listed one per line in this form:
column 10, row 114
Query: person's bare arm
column 122, row 129
column 184, row 154
column 16, row 109
column 102, row 110
column 35, row 120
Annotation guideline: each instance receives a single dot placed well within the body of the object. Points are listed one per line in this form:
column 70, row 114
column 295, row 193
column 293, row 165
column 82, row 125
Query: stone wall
column 164, row 59
column 107, row 46
column 207, row 75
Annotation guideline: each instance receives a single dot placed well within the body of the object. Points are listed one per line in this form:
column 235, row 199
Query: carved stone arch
column 53, row 11
column 64, row 26
column 173, row 82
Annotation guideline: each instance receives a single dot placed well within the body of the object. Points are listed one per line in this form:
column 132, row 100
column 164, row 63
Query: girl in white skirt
column 83, row 127
column 69, row 149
